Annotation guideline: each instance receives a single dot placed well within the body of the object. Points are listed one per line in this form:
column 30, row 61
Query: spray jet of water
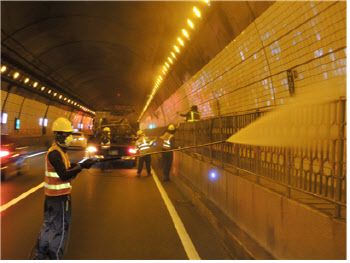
column 310, row 117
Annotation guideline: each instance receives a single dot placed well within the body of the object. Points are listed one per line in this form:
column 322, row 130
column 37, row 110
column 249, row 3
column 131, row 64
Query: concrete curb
column 238, row 243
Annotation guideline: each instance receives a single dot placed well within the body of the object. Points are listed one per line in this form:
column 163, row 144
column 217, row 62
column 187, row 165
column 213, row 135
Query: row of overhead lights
column 26, row 80
column 170, row 59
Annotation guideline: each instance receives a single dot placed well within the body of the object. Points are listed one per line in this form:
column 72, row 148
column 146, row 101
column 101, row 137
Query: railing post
column 222, row 144
column 201, row 140
column 341, row 123
column 194, row 133
column 257, row 170
column 211, row 140
column 235, row 145
column 288, row 169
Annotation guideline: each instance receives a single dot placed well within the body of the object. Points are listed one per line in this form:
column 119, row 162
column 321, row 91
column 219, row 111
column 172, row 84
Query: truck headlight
column 91, row 149
column 132, row 150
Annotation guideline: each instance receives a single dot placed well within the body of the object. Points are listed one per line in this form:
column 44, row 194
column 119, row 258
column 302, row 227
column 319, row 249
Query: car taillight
column 91, row 149
column 81, row 139
column 132, row 150
column 4, row 153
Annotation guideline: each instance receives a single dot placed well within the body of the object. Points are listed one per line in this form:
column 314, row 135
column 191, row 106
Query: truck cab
column 122, row 140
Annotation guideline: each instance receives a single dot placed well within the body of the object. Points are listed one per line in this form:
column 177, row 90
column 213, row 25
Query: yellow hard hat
column 171, row 127
column 139, row 132
column 106, row 129
column 62, row 125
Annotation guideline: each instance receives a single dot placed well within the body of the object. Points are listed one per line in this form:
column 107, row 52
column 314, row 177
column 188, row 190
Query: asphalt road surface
column 116, row 216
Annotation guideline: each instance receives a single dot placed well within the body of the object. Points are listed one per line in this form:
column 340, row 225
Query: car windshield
column 77, row 134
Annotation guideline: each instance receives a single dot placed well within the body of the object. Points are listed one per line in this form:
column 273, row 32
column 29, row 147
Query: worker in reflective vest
column 169, row 143
column 143, row 146
column 57, row 209
column 106, row 139
column 105, row 146
column 192, row 115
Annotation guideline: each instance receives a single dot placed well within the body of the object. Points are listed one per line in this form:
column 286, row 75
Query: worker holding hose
column 143, row 145
column 57, row 208
column 169, row 143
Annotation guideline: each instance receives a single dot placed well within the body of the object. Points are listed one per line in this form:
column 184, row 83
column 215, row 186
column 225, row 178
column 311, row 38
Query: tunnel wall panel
column 13, row 104
column 30, row 111
column 284, row 227
column 250, row 73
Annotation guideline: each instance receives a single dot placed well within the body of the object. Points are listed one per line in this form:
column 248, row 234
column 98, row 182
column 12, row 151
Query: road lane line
column 19, row 198
column 180, row 228
column 35, row 154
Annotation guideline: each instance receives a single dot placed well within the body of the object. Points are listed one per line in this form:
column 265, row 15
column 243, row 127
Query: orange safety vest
column 166, row 142
column 142, row 144
column 54, row 186
column 106, row 145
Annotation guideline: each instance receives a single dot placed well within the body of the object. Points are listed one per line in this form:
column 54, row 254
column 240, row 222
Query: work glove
column 87, row 163
column 72, row 165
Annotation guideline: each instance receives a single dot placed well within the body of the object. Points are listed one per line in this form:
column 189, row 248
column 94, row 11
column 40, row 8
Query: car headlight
column 91, row 149
column 4, row 153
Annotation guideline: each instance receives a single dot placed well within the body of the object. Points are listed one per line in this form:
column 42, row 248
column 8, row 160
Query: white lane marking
column 19, row 198
column 35, row 154
column 180, row 228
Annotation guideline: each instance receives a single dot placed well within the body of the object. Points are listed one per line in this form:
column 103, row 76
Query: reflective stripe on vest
column 106, row 145
column 58, row 187
column 51, row 174
column 166, row 143
column 54, row 186
column 194, row 116
column 142, row 145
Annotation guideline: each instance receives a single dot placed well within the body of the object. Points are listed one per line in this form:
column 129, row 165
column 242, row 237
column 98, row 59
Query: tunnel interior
column 111, row 53
column 266, row 76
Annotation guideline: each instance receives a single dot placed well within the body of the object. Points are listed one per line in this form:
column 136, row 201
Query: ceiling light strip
column 167, row 66
column 8, row 71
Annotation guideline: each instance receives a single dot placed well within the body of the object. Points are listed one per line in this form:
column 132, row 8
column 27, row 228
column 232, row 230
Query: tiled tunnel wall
column 30, row 114
column 251, row 72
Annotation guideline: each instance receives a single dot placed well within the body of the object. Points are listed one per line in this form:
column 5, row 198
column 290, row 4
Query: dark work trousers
column 147, row 160
column 167, row 158
column 105, row 165
column 53, row 234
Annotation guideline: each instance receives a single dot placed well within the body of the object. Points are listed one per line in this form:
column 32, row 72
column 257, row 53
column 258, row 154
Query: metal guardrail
column 319, row 170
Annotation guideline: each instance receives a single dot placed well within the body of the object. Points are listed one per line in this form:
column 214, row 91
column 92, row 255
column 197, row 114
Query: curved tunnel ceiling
column 102, row 49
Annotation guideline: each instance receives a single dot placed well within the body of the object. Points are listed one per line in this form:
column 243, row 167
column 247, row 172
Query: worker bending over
column 57, row 208
column 143, row 145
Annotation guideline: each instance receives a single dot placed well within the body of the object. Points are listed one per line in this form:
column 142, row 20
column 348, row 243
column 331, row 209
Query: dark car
column 13, row 161
column 122, row 144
